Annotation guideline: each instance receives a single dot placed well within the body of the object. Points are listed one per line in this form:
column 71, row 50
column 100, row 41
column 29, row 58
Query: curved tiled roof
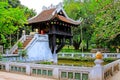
column 50, row 14
column 43, row 16
column 62, row 18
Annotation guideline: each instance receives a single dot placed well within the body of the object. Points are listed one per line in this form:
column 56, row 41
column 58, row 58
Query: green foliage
column 109, row 59
column 106, row 26
column 11, row 19
column 1, row 56
column 20, row 44
column 69, row 49
column 23, row 53
column 28, row 12
column 13, row 16
column 75, row 10
column 87, row 59
column 100, row 24
column 78, row 59
column 14, row 3
column 45, row 62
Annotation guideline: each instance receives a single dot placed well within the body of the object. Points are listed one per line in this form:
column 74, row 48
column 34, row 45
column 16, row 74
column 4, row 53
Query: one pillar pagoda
column 54, row 22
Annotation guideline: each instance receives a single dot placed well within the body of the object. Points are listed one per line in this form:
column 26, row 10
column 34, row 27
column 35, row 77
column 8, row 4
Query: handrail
column 110, row 69
column 30, row 43
column 16, row 45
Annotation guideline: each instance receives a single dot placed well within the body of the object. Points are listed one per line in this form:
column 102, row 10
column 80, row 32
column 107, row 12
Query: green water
column 77, row 63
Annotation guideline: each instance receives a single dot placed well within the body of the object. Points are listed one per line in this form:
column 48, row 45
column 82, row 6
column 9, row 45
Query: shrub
column 20, row 44
column 109, row 59
column 1, row 56
column 45, row 62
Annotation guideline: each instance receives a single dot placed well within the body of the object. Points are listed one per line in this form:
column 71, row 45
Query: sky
column 38, row 4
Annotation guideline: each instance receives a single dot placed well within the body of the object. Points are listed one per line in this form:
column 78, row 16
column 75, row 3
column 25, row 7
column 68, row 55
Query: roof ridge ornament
column 44, row 8
column 60, row 5
column 49, row 7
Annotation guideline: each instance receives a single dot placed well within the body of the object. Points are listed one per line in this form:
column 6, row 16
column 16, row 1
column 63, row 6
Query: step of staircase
column 28, row 39
column 16, row 51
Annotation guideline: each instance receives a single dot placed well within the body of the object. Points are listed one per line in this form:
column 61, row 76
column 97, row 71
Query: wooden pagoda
column 54, row 22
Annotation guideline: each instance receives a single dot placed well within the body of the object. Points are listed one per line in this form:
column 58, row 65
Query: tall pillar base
column 55, row 58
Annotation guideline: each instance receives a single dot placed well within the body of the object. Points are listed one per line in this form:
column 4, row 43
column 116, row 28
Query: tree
column 100, row 21
column 14, row 3
column 80, row 9
column 107, row 27
column 71, row 7
column 11, row 19
column 27, row 12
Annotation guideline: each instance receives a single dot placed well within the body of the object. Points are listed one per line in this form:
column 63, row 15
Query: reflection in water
column 76, row 63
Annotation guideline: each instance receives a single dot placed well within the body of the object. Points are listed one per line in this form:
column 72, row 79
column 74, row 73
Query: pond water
column 77, row 63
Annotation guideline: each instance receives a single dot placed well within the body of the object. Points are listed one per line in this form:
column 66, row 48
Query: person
column 41, row 32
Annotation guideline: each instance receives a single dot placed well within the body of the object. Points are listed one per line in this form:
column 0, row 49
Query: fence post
column 23, row 34
column 63, row 55
column 56, row 73
column 97, row 71
column 118, row 55
column 28, row 70
column 93, row 55
column 72, row 55
column 105, row 55
column 7, row 66
column 83, row 55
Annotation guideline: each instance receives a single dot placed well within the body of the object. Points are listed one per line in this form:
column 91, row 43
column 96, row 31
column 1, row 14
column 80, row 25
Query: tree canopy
column 107, row 23
column 101, row 21
column 10, row 20
column 13, row 16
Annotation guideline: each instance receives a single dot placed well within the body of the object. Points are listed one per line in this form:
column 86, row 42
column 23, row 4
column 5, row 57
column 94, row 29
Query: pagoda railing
column 22, row 39
column 30, row 43
column 90, row 55
column 16, row 45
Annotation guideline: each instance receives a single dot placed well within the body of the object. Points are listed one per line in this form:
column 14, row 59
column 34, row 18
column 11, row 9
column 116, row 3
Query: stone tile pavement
column 14, row 76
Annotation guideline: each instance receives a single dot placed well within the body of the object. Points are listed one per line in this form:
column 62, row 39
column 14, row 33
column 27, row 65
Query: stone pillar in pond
column 55, row 57
column 97, row 71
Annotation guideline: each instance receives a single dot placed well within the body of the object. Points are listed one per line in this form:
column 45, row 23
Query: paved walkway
column 13, row 76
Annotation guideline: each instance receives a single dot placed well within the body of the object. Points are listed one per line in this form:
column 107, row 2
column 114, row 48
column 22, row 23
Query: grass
column 45, row 62
column 87, row 59
column 69, row 49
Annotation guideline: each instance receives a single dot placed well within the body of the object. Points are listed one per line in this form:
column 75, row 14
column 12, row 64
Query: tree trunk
column 76, row 45
column 87, row 46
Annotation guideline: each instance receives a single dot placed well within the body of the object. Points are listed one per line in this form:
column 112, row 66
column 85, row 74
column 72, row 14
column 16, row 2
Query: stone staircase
column 25, row 43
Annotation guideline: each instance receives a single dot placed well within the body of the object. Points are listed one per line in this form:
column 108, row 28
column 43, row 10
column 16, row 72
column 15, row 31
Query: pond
column 77, row 63
column 68, row 62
